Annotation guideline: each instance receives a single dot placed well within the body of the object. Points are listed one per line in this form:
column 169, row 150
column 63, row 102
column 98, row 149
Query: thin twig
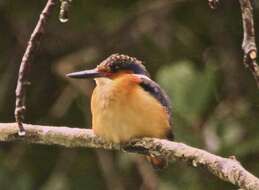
column 32, row 46
column 227, row 169
column 213, row 3
column 249, row 45
column 64, row 10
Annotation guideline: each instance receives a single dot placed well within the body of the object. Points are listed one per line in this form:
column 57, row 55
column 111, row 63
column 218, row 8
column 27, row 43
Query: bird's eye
column 116, row 67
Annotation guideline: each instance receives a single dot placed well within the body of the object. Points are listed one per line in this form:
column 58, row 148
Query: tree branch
column 32, row 46
column 227, row 169
column 249, row 45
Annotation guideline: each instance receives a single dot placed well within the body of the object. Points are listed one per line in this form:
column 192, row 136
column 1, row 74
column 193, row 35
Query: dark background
column 193, row 52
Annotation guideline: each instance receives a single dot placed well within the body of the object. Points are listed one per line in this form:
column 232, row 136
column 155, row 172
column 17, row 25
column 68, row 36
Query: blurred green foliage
column 195, row 90
column 192, row 51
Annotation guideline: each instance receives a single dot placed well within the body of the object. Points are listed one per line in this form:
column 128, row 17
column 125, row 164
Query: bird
column 126, row 103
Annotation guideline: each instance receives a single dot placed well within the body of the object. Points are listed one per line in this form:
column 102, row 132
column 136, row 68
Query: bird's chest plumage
column 121, row 112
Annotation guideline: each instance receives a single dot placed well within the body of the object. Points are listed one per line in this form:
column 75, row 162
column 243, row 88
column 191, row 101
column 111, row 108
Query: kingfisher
column 126, row 103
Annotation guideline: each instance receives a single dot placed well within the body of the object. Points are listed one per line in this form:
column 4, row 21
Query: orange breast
column 122, row 110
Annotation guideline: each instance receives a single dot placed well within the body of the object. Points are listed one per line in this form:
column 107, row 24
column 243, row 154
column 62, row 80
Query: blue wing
column 154, row 89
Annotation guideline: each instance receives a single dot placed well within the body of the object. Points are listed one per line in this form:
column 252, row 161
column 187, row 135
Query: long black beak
column 93, row 73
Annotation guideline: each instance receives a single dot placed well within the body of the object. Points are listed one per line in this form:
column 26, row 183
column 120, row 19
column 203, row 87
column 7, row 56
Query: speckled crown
column 120, row 61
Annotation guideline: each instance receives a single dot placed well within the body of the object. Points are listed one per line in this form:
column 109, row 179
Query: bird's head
column 112, row 67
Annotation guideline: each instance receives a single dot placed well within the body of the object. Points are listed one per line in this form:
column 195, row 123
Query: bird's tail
column 157, row 163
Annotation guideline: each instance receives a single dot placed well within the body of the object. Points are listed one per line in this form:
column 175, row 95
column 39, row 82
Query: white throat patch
column 102, row 81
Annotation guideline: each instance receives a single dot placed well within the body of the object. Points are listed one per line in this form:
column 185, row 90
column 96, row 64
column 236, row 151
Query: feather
column 154, row 89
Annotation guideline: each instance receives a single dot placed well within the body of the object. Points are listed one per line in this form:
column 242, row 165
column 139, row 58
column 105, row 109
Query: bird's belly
column 129, row 116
